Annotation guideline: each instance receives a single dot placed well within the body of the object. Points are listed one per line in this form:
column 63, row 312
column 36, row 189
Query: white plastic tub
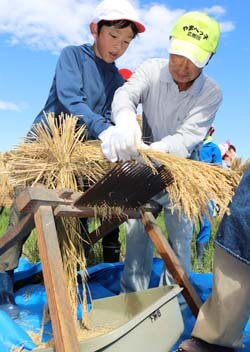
column 147, row 321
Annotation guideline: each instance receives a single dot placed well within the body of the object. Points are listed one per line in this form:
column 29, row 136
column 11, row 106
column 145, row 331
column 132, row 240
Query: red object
column 211, row 130
column 126, row 73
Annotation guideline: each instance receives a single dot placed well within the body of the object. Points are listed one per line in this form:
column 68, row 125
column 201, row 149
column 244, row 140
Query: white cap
column 224, row 148
column 112, row 10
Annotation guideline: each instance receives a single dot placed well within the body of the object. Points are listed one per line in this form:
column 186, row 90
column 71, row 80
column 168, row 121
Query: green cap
column 197, row 32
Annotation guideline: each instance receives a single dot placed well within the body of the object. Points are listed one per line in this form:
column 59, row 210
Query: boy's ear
column 94, row 29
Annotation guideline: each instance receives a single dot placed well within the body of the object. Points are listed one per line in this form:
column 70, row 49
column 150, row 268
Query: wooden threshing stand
column 128, row 185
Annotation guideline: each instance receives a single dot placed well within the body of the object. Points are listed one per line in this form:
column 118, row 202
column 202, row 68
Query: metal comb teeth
column 127, row 185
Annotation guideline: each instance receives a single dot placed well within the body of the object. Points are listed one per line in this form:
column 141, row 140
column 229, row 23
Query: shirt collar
column 208, row 139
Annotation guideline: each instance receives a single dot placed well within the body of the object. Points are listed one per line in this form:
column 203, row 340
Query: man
column 223, row 316
column 179, row 104
column 84, row 84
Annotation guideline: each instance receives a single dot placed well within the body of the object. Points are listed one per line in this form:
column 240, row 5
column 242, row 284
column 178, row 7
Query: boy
column 84, row 84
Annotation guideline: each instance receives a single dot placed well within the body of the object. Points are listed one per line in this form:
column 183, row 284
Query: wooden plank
column 65, row 193
column 69, row 210
column 63, row 322
column 172, row 262
column 32, row 197
column 90, row 212
column 17, row 232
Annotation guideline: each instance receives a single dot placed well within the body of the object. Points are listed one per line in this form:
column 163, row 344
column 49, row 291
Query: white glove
column 120, row 142
column 129, row 136
column 159, row 146
column 144, row 146
column 106, row 147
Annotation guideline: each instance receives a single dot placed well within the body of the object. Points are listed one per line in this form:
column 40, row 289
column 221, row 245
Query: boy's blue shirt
column 210, row 153
column 83, row 86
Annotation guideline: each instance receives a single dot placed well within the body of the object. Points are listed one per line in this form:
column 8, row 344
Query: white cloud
column 218, row 12
column 10, row 106
column 46, row 24
column 51, row 25
column 227, row 26
column 215, row 10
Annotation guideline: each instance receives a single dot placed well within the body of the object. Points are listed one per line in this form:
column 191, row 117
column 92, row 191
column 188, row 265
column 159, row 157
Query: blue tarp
column 103, row 281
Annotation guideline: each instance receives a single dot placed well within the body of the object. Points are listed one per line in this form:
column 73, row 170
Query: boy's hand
column 106, row 146
column 120, row 142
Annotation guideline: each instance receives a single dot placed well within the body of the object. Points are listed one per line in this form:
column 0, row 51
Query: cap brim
column 140, row 27
column 194, row 53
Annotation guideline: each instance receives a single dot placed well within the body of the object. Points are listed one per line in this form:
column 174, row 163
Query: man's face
column 183, row 71
column 111, row 42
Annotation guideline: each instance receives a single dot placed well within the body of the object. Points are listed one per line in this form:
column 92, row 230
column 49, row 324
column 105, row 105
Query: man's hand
column 159, row 146
column 120, row 142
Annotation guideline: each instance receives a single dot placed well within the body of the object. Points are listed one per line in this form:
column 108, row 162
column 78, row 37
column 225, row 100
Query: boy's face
column 183, row 71
column 111, row 42
column 231, row 154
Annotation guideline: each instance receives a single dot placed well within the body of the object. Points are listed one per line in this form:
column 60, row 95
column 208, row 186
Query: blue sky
column 32, row 33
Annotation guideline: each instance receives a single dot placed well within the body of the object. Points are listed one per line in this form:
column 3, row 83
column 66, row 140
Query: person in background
column 222, row 318
column 229, row 157
column 228, row 153
column 179, row 103
column 125, row 73
column 209, row 153
column 85, row 80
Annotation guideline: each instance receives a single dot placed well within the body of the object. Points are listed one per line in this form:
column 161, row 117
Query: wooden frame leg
column 172, row 262
column 63, row 322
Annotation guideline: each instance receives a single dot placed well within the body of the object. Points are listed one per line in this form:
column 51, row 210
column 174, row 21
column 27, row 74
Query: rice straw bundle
column 59, row 157
column 52, row 154
column 196, row 183
column 239, row 166
column 6, row 189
